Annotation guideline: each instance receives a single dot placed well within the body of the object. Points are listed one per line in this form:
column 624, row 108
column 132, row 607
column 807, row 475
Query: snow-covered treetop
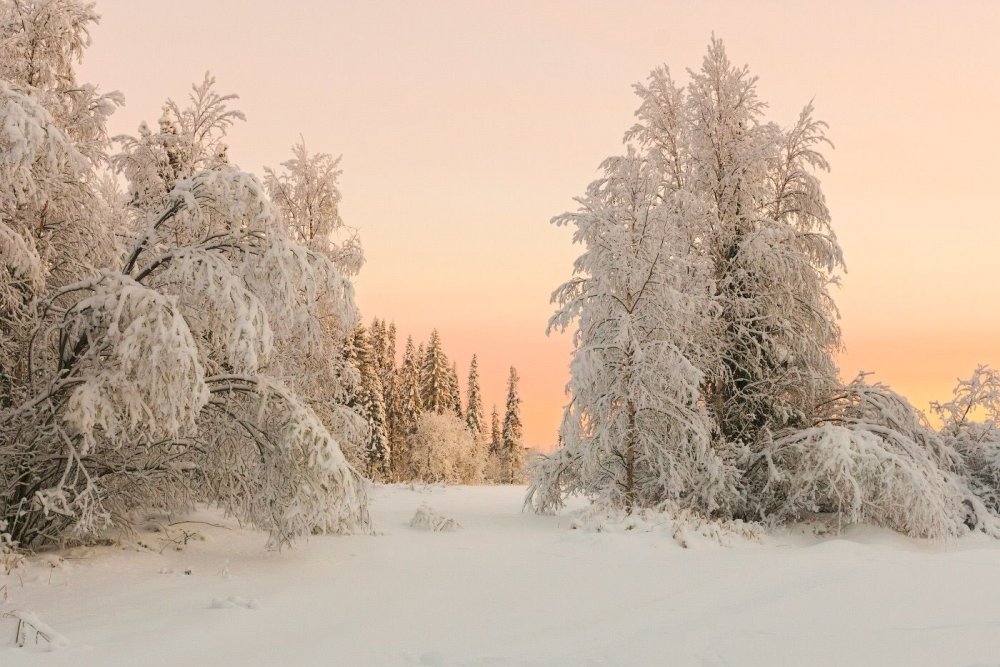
column 189, row 139
column 307, row 195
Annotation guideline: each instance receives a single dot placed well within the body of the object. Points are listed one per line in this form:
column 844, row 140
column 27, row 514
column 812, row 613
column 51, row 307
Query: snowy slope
column 511, row 589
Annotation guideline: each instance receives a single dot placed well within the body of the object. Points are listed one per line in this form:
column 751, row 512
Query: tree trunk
column 630, row 437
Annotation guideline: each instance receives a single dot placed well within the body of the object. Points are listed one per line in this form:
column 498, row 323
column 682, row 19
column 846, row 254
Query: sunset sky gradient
column 465, row 126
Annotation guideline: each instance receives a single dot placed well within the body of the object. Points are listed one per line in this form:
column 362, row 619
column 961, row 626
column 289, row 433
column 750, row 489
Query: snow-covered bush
column 441, row 449
column 9, row 558
column 553, row 478
column 873, row 459
column 426, row 518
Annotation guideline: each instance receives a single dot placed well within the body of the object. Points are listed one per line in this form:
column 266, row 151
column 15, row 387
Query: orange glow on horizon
column 465, row 126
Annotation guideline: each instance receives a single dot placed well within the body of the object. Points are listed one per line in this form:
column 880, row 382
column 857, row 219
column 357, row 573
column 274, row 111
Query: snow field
column 510, row 588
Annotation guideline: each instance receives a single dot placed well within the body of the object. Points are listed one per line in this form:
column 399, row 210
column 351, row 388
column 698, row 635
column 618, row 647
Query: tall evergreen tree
column 386, row 353
column 513, row 449
column 376, row 331
column 377, row 334
column 388, row 349
column 496, row 437
column 454, row 393
column 436, row 377
column 474, row 401
column 406, row 408
column 369, row 402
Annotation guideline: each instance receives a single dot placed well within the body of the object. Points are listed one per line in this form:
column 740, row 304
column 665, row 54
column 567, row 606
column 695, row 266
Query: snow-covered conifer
column 435, row 374
column 407, row 407
column 454, row 392
column 494, row 469
column 369, row 402
column 512, row 447
column 474, row 402
column 495, row 433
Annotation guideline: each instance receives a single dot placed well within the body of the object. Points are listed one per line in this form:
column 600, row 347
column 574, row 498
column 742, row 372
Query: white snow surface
column 510, row 589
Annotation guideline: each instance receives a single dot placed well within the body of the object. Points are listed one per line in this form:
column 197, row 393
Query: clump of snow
column 427, row 519
column 234, row 601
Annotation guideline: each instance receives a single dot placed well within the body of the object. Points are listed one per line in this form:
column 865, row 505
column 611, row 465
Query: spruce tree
column 369, row 402
column 454, row 393
column 383, row 363
column 387, row 369
column 474, row 401
column 513, row 454
column 435, row 377
column 495, row 435
column 406, row 408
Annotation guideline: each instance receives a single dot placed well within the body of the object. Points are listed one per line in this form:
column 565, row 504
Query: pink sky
column 464, row 126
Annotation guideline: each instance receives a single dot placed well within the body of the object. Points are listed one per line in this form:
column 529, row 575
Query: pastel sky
column 465, row 126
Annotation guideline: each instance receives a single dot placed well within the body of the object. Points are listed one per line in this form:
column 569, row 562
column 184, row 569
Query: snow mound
column 684, row 526
column 234, row 601
column 427, row 519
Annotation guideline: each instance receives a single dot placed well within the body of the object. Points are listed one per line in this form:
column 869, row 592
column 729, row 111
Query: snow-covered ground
column 510, row 589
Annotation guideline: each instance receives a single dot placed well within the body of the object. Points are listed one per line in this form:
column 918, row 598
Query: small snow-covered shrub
column 9, row 557
column 427, row 518
column 872, row 459
column 442, row 449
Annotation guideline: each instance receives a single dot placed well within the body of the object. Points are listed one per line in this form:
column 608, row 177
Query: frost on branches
column 441, row 449
column 171, row 370
column 971, row 425
column 703, row 376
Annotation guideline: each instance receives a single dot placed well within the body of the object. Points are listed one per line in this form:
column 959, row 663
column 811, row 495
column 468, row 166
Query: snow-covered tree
column 387, row 366
column 474, row 402
column 168, row 373
column 512, row 449
column 407, row 407
column 454, row 392
column 435, row 377
column 369, row 402
column 636, row 425
column 443, row 450
column 703, row 373
column 495, row 433
column 56, row 222
column 383, row 343
column 494, row 469
column 189, row 139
